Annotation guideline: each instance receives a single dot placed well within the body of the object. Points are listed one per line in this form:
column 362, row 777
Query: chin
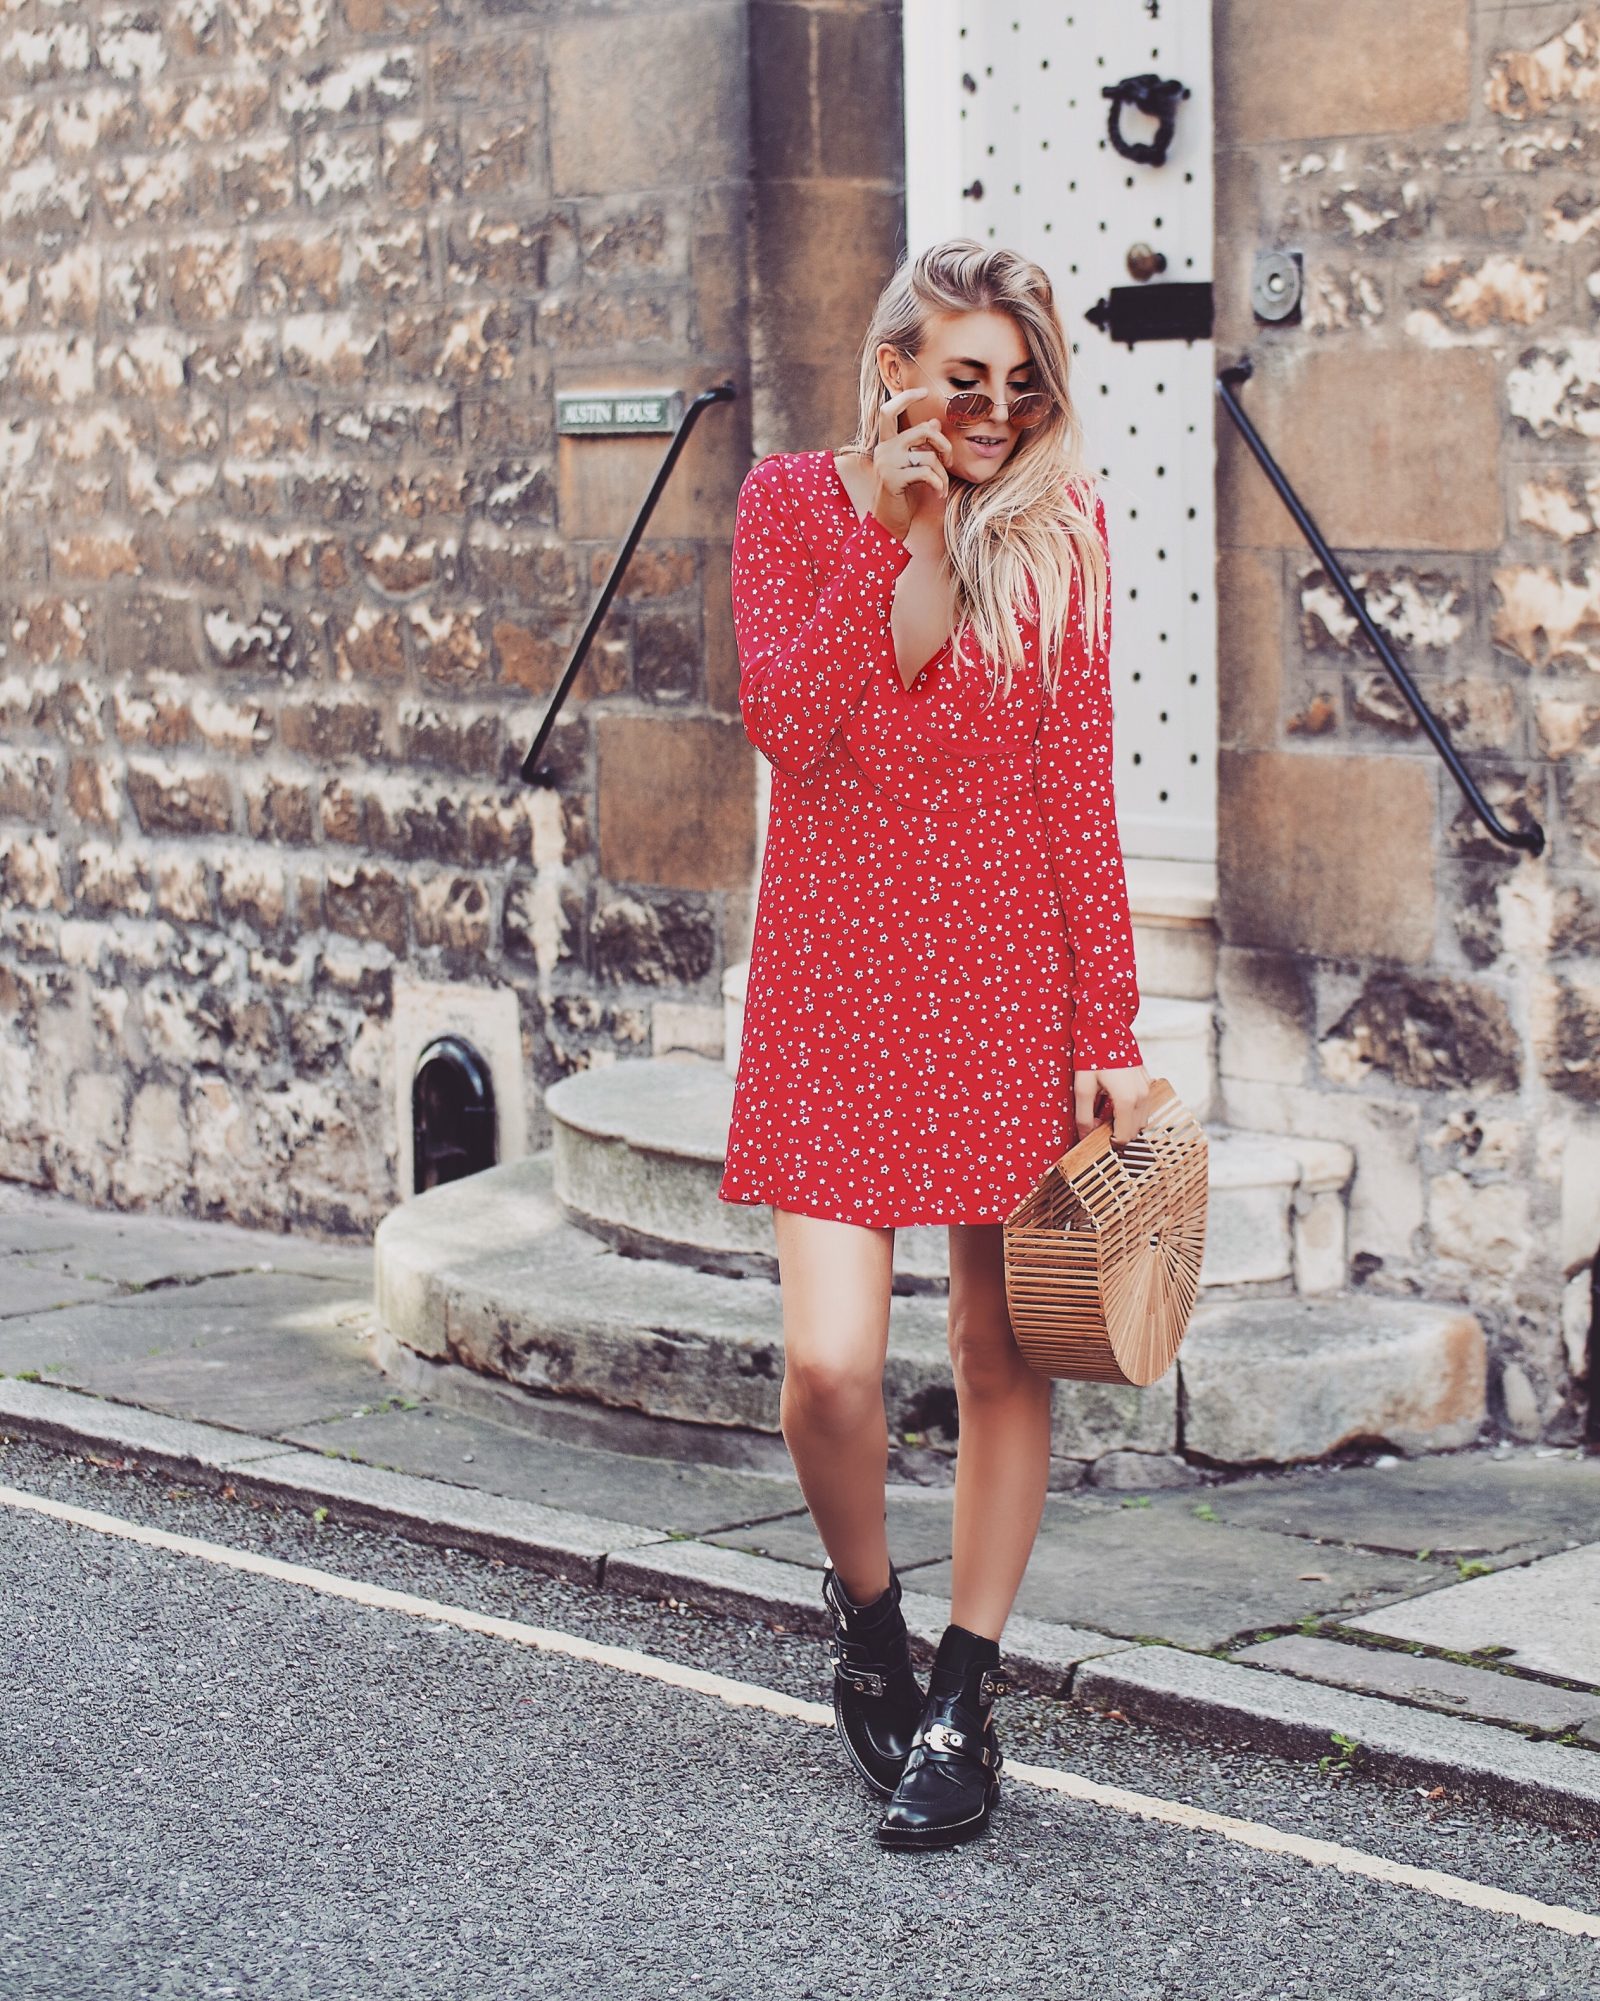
column 985, row 469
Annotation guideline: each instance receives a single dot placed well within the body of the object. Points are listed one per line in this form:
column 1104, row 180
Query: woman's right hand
column 904, row 460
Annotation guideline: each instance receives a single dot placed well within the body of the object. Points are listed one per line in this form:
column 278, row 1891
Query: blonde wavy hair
column 1018, row 539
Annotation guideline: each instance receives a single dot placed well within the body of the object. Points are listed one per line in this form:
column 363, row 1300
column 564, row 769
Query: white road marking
column 750, row 1695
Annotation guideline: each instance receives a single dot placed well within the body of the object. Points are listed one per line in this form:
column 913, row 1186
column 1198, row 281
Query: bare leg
column 835, row 1280
column 1003, row 1448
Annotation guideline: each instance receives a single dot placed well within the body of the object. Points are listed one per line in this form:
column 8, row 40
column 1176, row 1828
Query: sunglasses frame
column 1028, row 398
column 975, row 404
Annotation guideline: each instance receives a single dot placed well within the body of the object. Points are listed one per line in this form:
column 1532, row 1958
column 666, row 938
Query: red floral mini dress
column 942, row 933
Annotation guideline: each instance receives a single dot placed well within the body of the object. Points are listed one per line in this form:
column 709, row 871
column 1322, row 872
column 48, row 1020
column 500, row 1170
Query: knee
column 985, row 1360
column 829, row 1393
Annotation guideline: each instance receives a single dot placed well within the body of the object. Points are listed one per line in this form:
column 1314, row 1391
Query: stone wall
column 1390, row 975
column 292, row 554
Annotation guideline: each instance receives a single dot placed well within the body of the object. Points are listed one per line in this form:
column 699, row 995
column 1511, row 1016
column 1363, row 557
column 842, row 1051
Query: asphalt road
column 217, row 1784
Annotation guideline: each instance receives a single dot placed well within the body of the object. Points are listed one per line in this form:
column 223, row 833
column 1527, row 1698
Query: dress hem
column 900, row 1222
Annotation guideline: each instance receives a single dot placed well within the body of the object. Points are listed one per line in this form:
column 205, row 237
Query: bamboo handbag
column 1102, row 1259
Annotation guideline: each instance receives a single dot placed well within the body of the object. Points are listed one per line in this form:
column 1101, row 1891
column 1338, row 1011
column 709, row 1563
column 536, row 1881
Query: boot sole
column 947, row 1836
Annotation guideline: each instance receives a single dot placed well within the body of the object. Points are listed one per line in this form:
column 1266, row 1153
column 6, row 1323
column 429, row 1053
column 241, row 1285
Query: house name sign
column 597, row 412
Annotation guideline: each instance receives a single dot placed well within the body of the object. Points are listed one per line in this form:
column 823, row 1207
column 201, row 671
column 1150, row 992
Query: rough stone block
column 821, row 252
column 1407, row 421
column 1265, row 1013
column 1281, row 1380
column 1304, row 840
column 1276, row 76
column 1250, row 647
column 1252, row 1183
column 1091, row 1419
column 600, row 481
column 676, row 804
column 684, row 87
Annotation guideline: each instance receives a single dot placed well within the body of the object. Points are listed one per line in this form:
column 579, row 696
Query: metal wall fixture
column 452, row 1113
column 1277, row 285
column 722, row 392
column 1158, row 98
column 1529, row 838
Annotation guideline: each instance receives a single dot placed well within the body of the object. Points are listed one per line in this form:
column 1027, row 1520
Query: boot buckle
column 993, row 1682
column 868, row 1680
column 943, row 1737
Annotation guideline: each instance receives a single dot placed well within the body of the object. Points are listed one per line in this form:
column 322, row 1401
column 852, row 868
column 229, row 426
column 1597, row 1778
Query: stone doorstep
column 638, row 1151
column 1250, row 1705
column 490, row 1273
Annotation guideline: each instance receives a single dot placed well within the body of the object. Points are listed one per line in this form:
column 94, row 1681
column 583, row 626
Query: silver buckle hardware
column 867, row 1679
column 941, row 1737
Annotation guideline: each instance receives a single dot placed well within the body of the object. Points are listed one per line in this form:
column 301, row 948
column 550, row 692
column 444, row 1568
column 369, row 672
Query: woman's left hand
column 1127, row 1089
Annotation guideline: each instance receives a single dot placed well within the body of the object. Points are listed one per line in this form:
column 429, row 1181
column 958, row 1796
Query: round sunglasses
column 1027, row 409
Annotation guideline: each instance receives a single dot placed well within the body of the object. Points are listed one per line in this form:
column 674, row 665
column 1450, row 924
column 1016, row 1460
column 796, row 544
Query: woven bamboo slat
column 1102, row 1259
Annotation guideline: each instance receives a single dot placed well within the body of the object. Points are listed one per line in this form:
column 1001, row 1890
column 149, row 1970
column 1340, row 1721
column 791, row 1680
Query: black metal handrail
column 1531, row 837
column 721, row 392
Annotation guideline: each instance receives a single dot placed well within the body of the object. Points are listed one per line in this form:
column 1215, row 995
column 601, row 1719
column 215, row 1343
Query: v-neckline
column 950, row 639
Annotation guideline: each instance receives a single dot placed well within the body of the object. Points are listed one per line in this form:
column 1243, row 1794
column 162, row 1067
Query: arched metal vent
column 452, row 1113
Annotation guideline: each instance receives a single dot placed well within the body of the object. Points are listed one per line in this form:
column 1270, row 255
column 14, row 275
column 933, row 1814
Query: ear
column 891, row 372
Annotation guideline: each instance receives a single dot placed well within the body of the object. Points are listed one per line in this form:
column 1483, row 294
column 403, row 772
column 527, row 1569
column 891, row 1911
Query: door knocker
column 1158, row 99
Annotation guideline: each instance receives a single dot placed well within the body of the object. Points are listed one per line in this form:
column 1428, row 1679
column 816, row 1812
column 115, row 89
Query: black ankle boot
column 877, row 1700
column 952, row 1772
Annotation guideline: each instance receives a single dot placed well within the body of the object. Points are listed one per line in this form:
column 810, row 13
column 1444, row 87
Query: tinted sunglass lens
column 968, row 407
column 1027, row 411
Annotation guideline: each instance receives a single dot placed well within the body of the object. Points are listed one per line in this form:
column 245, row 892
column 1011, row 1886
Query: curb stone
column 1263, row 1710
column 554, row 1540
column 1245, row 1705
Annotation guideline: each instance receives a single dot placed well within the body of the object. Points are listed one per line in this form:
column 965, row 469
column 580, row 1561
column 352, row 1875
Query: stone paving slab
column 1041, row 1654
column 919, row 1532
column 1547, row 1616
column 28, row 1286
column 1148, row 1571
column 559, row 1540
column 1558, row 1783
column 61, row 1416
column 140, row 1248
column 1435, row 1684
column 258, row 1352
column 1456, row 1504
column 685, row 1499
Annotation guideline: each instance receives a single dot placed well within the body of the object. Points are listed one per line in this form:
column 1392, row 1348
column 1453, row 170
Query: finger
column 930, row 431
column 1083, row 1101
column 889, row 413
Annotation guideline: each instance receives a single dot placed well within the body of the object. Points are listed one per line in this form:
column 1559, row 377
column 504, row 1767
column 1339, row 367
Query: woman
column 941, row 974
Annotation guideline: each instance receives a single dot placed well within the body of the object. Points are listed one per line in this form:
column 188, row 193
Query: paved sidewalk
column 1434, row 1619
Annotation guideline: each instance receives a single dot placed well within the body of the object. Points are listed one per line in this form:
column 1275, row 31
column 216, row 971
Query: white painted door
column 1007, row 99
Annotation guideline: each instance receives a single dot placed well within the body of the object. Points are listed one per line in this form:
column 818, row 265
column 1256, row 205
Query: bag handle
column 1095, row 1142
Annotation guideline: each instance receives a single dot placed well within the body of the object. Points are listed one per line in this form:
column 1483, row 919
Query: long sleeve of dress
column 806, row 655
column 1072, row 771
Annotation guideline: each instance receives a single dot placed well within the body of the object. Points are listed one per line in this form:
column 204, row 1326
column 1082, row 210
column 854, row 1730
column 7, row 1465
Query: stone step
column 489, row 1273
column 1173, row 905
column 639, row 1146
column 1178, row 1040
